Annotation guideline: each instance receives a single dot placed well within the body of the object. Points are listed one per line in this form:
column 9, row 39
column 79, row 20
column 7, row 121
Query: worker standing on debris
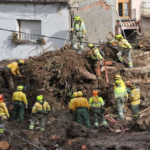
column 40, row 111
column 124, row 49
column 96, row 103
column 97, row 59
column 20, row 103
column 78, row 34
column 134, row 98
column 13, row 69
column 121, row 96
column 81, row 105
column 4, row 114
column 74, row 115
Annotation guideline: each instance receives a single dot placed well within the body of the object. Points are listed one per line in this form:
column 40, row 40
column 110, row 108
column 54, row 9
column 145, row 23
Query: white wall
column 54, row 23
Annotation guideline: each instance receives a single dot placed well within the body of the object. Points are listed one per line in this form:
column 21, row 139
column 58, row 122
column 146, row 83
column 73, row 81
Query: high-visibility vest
column 120, row 92
column 99, row 104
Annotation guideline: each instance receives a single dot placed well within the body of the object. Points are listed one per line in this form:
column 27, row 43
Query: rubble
column 57, row 75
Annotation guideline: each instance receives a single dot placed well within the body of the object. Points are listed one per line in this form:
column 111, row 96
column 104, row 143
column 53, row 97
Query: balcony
column 127, row 14
column 145, row 9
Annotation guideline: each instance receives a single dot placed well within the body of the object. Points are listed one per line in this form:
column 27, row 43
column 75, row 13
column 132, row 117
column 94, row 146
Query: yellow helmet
column 80, row 93
column 119, row 36
column 76, row 18
column 117, row 77
column 20, row 87
column 118, row 82
column 21, row 61
column 39, row 97
column 75, row 94
column 131, row 85
column 91, row 45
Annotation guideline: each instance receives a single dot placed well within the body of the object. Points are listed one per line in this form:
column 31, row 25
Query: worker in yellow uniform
column 74, row 115
column 96, row 103
column 119, row 78
column 97, row 59
column 81, row 106
column 20, row 103
column 4, row 114
column 78, row 34
column 12, row 69
column 121, row 96
column 40, row 111
column 134, row 98
column 124, row 49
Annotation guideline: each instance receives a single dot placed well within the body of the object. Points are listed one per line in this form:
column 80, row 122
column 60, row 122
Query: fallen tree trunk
column 138, row 81
column 87, row 75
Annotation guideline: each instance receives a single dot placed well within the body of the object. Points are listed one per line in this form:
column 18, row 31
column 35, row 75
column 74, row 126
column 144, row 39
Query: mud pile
column 57, row 75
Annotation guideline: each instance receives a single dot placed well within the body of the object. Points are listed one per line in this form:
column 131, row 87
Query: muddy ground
column 57, row 75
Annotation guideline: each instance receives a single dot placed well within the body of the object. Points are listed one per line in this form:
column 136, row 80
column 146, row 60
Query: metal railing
column 126, row 14
column 145, row 9
column 28, row 37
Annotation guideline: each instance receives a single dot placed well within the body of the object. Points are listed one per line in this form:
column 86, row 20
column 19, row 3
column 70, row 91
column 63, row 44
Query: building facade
column 30, row 20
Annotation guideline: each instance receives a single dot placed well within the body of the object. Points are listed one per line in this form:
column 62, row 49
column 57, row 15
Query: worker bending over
column 96, row 58
column 121, row 96
column 4, row 114
column 96, row 103
column 74, row 115
column 20, row 103
column 78, row 34
column 134, row 98
column 124, row 50
column 40, row 112
column 118, row 78
column 81, row 106
column 12, row 69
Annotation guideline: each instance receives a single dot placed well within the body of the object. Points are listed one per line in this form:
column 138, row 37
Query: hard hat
column 118, row 82
column 75, row 94
column 1, row 97
column 91, row 45
column 131, row 85
column 119, row 36
column 80, row 93
column 76, row 18
column 95, row 92
column 21, row 61
column 20, row 87
column 117, row 77
column 39, row 97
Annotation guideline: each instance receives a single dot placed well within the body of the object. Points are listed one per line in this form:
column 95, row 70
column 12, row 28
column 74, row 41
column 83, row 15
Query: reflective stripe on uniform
column 96, row 123
column 31, row 127
column 42, row 129
column 121, row 59
column 104, row 123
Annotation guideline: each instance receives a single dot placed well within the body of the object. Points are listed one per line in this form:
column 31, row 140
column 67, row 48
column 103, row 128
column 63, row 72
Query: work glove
column 102, row 62
column 72, row 29
column 19, row 75
column 83, row 36
column 4, row 118
column 26, row 107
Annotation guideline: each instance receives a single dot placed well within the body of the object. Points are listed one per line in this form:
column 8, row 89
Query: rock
column 128, row 118
column 4, row 145
column 52, row 119
column 36, row 141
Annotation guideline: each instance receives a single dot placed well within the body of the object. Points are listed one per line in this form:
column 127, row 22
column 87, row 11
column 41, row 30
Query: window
column 124, row 8
column 29, row 27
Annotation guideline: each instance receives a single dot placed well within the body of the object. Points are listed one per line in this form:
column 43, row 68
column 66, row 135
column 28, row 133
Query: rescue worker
column 20, row 103
column 74, row 115
column 40, row 111
column 134, row 98
column 118, row 77
column 124, row 49
column 4, row 114
column 96, row 58
column 78, row 34
column 121, row 96
column 96, row 103
column 81, row 106
column 12, row 69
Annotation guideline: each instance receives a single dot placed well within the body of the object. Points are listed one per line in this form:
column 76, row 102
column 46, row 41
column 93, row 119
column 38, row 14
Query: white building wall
column 54, row 23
